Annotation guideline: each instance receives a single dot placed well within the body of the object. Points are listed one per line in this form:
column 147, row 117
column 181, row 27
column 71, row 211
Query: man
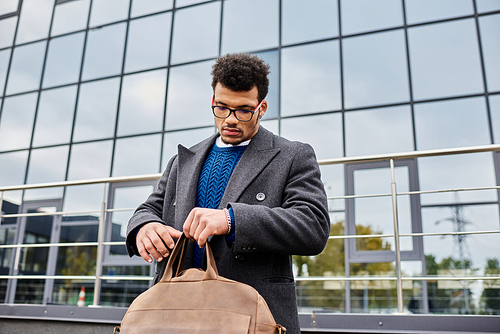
column 259, row 195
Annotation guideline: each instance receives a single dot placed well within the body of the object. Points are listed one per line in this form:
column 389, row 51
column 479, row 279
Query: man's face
column 231, row 130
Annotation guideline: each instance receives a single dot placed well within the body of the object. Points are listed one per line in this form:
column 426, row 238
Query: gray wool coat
column 280, row 209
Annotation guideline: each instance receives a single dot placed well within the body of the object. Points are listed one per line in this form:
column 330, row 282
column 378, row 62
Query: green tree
column 490, row 298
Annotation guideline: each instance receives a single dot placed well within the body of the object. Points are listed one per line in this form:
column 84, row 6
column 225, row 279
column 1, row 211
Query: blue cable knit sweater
column 214, row 176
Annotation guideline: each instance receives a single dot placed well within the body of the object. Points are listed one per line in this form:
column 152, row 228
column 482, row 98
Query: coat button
column 260, row 197
column 243, row 248
column 239, row 257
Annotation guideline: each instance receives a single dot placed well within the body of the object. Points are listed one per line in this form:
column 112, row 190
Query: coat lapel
column 257, row 155
column 190, row 164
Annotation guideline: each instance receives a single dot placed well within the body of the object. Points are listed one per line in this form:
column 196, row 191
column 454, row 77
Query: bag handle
column 210, row 274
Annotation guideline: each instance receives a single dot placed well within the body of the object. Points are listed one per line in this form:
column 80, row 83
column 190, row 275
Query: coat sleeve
column 299, row 224
column 151, row 210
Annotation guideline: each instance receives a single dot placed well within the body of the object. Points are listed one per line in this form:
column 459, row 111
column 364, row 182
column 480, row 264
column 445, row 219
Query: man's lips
column 231, row 131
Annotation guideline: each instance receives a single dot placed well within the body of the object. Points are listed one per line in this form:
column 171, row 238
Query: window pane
column 333, row 179
column 143, row 7
column 495, row 116
column 186, row 138
column 13, row 168
column 310, row 78
column 97, row 105
column 84, row 198
column 70, row 16
column 104, row 53
column 365, row 15
column 429, row 10
column 107, row 11
column 457, row 172
column 47, row 165
column 8, row 6
column 148, row 42
column 181, row 3
column 375, row 69
column 444, row 59
column 189, row 95
column 453, row 123
column 137, row 156
column 4, row 64
column 303, row 21
column 489, row 27
column 26, row 68
column 378, row 131
column 196, row 33
column 237, row 37
column 55, row 116
column 35, row 20
column 271, row 58
column 487, row 5
column 142, row 103
column 16, row 123
column 7, row 27
column 323, row 133
column 64, row 60
column 99, row 153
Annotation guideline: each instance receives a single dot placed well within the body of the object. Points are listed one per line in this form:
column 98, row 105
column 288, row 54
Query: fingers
column 155, row 240
column 201, row 223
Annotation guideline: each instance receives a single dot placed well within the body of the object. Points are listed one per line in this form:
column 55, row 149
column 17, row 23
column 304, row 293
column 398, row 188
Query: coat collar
column 257, row 155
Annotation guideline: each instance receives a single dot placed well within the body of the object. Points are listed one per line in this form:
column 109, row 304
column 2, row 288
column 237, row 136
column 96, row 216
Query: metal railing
column 98, row 277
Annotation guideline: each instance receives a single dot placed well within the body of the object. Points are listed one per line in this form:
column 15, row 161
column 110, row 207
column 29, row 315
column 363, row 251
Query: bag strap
column 211, row 272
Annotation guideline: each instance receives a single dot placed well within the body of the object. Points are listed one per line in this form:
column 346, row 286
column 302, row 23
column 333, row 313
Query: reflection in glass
column 125, row 198
column 137, row 156
column 55, row 116
column 487, row 5
column 13, row 168
column 366, row 15
column 489, row 27
column 495, row 116
column 70, row 16
column 237, row 37
column 444, row 59
column 90, row 161
column 452, row 123
column 16, row 123
column 84, row 198
column 143, row 7
column 271, row 125
column 142, row 102
column 457, row 172
column 104, row 52
column 4, row 64
column 121, row 293
column 303, row 21
column 378, row 131
column 63, row 60
column 7, row 234
column 97, row 105
column 107, row 11
column 48, row 164
column 375, row 69
column 26, row 68
column 323, row 133
column 189, row 96
column 271, row 58
column 373, row 215
column 429, row 10
column 7, row 27
column 35, row 20
column 333, row 180
column 8, row 6
column 310, row 78
column 185, row 138
column 196, row 33
column 148, row 42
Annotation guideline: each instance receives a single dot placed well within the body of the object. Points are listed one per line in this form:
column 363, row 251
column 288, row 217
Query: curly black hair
column 240, row 72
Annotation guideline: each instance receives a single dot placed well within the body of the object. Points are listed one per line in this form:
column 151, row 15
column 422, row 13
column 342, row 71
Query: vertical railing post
column 399, row 287
column 100, row 240
column 1, row 204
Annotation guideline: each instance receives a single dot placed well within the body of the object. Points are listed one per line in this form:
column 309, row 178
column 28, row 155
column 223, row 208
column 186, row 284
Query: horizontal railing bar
column 83, row 182
column 61, row 213
column 64, row 244
column 416, row 234
column 410, row 155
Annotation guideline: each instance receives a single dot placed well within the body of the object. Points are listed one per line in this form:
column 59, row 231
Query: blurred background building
column 93, row 89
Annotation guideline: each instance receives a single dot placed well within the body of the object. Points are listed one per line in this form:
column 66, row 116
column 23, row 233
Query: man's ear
column 263, row 109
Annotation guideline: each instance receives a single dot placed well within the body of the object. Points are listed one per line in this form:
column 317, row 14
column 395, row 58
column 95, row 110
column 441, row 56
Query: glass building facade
column 105, row 88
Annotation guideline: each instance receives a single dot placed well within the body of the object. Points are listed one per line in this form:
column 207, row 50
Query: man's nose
column 232, row 119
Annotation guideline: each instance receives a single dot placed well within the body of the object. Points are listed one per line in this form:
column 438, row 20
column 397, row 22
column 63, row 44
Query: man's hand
column 202, row 223
column 155, row 240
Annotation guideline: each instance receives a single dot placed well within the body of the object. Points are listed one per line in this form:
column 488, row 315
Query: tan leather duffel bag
column 197, row 301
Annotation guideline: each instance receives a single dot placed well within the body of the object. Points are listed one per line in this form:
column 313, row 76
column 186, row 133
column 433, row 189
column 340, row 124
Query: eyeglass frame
column 234, row 110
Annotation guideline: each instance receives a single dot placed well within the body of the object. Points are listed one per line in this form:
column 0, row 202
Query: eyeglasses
column 242, row 115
